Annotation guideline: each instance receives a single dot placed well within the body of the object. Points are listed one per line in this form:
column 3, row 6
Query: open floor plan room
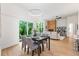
column 39, row 29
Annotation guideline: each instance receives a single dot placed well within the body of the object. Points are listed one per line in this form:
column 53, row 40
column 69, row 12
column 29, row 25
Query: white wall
column 0, row 28
column 0, row 20
column 10, row 16
column 72, row 19
column 78, row 23
column 0, row 52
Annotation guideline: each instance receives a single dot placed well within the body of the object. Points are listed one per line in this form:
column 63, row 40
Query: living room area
column 53, row 28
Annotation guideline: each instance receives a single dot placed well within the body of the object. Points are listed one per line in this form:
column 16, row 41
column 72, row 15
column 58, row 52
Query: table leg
column 42, row 46
column 38, row 50
column 49, row 44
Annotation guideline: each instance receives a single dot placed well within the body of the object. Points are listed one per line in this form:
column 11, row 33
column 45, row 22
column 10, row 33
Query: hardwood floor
column 58, row 48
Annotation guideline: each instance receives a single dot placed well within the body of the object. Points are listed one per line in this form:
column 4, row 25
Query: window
column 22, row 28
column 39, row 27
column 26, row 27
column 30, row 27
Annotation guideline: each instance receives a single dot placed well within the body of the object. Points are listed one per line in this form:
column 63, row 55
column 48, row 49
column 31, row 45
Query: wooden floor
column 58, row 48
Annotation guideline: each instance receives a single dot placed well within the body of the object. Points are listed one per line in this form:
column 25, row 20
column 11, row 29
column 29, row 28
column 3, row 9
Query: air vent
column 57, row 17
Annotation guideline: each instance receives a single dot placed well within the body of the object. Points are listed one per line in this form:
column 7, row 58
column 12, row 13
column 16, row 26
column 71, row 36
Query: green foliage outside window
column 30, row 27
column 39, row 27
column 25, row 28
column 22, row 28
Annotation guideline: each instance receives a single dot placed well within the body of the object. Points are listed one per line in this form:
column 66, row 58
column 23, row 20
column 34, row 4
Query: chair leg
column 22, row 46
column 46, row 44
column 39, row 51
column 32, row 52
column 42, row 46
column 27, row 50
column 35, row 50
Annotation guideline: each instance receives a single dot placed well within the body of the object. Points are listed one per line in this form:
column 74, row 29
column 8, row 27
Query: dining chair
column 33, row 46
column 24, row 43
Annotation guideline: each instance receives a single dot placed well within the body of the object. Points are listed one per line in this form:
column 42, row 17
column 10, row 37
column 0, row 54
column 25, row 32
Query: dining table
column 40, row 40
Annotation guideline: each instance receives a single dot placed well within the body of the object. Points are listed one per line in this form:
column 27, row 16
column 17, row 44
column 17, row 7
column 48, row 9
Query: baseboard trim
column 10, row 46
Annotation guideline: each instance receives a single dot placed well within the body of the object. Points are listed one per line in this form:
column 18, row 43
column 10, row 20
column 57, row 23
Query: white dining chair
column 32, row 46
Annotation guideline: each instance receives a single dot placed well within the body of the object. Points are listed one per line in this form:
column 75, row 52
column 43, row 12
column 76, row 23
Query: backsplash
column 61, row 31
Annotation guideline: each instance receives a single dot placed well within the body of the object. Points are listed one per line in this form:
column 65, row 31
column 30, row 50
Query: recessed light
column 35, row 11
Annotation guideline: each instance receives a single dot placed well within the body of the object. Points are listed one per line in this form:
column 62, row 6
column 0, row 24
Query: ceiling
column 49, row 10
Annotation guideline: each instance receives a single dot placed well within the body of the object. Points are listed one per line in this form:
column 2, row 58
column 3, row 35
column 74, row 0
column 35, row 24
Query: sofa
column 55, row 35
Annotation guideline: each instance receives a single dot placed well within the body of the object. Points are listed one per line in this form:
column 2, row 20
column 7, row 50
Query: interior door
column 71, row 30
